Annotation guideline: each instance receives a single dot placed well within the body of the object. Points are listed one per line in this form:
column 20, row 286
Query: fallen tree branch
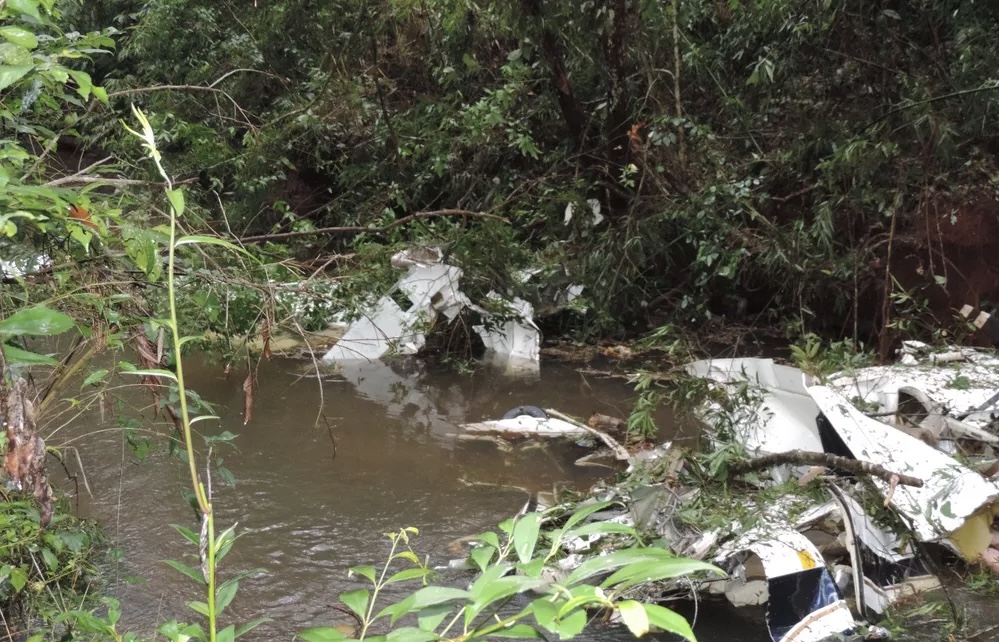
column 802, row 457
column 80, row 179
column 262, row 238
column 620, row 452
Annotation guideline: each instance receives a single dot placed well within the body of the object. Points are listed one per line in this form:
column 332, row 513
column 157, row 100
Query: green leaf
column 645, row 572
column 427, row 596
column 188, row 534
column 501, row 589
column 246, row 627
column 410, row 634
column 18, row 578
column 16, row 355
column 409, row 574
column 26, row 7
column 176, row 198
column 615, row 560
column 519, row 631
column 368, row 572
column 600, row 528
column 101, row 94
column 225, row 595
column 94, row 377
column 38, row 320
column 198, row 607
column 357, row 601
column 200, row 239
column 431, row 617
column 83, row 83
column 634, row 616
column 18, row 36
column 194, row 574
column 152, row 372
column 669, row 621
column 228, row 634
column 50, row 559
column 10, row 74
column 322, row 634
column 482, row 556
column 572, row 625
column 525, row 535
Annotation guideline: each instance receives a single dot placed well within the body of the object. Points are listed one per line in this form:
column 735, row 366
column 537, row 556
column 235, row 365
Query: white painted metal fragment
column 955, row 505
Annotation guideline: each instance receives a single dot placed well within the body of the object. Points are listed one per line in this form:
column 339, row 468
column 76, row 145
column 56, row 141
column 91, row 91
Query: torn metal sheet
column 385, row 328
column 517, row 340
column 432, row 289
column 785, row 570
column 956, row 505
column 959, row 389
column 883, row 571
column 780, row 417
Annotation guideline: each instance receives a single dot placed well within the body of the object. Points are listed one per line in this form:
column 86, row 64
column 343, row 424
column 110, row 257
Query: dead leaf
column 25, row 459
column 248, row 398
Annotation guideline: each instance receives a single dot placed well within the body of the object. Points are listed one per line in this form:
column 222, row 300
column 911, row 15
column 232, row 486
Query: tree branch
column 803, row 457
column 262, row 238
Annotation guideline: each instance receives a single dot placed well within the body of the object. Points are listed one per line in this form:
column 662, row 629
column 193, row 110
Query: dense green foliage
column 759, row 159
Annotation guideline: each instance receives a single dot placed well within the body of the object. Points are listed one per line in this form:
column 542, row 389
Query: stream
column 307, row 510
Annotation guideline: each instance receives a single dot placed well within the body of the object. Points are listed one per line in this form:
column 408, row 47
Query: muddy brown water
column 307, row 511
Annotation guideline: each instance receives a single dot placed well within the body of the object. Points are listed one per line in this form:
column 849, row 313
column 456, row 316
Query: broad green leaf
column 188, row 534
column 198, row 607
column 431, row 617
column 669, row 621
column 18, row 36
column 83, row 83
column 153, row 372
column 94, row 377
column 427, row 596
column 482, row 555
column 101, row 95
column 409, row 574
column 572, row 625
column 225, row 595
column 634, row 616
column 246, row 627
column 10, row 74
column 199, row 239
column 194, row 574
column 410, row 634
column 518, row 631
column 600, row 528
column 18, row 578
column 368, row 572
column 491, row 539
column 615, row 560
column 16, row 355
column 50, row 559
column 501, row 589
column 644, row 572
column 38, row 320
column 26, row 7
column 357, row 601
column 322, row 634
column 525, row 535
column 228, row 634
column 545, row 613
column 176, row 198
column 585, row 512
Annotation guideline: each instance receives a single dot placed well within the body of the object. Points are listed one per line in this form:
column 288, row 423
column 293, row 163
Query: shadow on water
column 307, row 510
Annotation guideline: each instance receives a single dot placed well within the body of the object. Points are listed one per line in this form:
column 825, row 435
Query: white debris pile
column 431, row 289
